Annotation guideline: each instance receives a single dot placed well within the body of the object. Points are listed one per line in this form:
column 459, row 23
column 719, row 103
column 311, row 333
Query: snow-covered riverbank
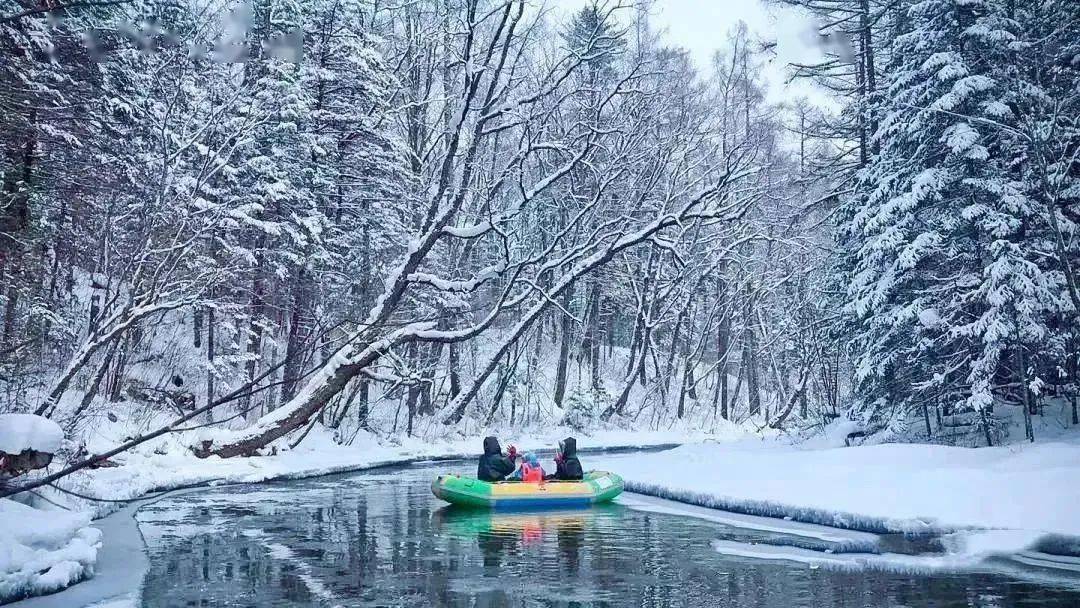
column 884, row 488
column 144, row 471
column 41, row 551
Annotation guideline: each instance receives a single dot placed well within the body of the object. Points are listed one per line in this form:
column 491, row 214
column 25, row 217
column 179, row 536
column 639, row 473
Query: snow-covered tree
column 949, row 293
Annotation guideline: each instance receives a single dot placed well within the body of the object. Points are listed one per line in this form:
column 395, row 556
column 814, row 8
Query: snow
column 20, row 432
column 467, row 232
column 1044, row 560
column 929, row 317
column 881, row 488
column 43, row 551
column 118, row 574
column 965, row 551
column 851, row 561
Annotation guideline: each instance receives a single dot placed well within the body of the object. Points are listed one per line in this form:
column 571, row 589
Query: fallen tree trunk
column 330, row 380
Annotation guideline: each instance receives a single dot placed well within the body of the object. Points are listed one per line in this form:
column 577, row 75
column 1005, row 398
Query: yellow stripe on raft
column 559, row 488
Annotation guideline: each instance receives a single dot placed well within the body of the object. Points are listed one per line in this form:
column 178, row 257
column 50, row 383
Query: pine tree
column 945, row 282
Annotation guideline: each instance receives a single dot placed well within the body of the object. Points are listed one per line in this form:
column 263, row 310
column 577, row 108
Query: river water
column 382, row 539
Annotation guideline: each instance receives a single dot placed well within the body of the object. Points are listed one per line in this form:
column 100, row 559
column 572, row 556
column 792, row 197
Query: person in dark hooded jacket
column 493, row 465
column 567, row 465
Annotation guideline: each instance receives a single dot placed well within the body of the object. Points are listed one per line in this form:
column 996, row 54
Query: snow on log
column 21, row 432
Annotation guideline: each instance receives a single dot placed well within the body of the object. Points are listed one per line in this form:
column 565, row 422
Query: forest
column 242, row 221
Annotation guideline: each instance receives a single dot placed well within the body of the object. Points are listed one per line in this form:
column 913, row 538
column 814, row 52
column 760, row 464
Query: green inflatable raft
column 597, row 487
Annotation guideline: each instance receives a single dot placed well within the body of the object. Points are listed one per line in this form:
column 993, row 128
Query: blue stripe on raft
column 542, row 503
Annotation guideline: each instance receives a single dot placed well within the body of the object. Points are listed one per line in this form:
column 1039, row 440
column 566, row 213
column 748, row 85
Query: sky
column 702, row 26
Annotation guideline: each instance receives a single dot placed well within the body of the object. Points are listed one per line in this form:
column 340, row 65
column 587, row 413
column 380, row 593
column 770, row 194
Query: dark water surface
column 382, row 539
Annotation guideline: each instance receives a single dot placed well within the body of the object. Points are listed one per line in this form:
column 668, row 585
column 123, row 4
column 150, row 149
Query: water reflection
column 499, row 534
column 383, row 540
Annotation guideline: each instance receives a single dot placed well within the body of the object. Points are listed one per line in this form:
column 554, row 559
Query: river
column 381, row 539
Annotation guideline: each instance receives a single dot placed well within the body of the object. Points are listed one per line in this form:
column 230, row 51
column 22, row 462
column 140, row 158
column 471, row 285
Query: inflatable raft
column 597, row 487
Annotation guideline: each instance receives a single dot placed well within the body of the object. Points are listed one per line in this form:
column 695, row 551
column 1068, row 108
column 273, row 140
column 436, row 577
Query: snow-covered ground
column 882, row 488
column 43, row 551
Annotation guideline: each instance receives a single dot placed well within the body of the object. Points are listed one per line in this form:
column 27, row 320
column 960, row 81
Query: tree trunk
column 196, row 327
column 15, row 215
column 256, row 310
column 593, row 334
column 299, row 333
column 117, row 377
column 690, row 358
column 565, row 337
column 363, row 406
column 723, row 347
column 869, row 75
column 530, row 372
column 680, row 410
column 669, row 366
column 413, row 392
column 209, row 362
column 926, row 419
column 326, row 383
column 1021, row 373
column 804, row 374
column 1074, row 374
column 10, row 306
column 427, row 378
column 95, row 383
column 506, row 375
column 453, row 364
column 984, row 417
column 753, row 392
column 619, row 405
column 738, row 385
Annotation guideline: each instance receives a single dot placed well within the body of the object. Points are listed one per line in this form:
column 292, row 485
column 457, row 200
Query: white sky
column 702, row 26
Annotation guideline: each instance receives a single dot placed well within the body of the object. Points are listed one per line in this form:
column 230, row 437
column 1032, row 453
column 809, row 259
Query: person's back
column 567, row 465
column 493, row 466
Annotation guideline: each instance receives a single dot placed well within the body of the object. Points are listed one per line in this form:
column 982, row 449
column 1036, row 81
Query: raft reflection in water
column 502, row 536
